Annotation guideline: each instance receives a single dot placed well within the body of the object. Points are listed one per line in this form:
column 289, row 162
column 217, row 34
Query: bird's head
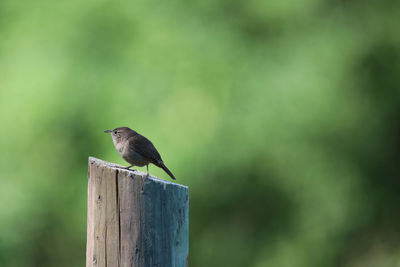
column 120, row 134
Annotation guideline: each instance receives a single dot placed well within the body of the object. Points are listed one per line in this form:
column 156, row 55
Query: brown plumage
column 137, row 149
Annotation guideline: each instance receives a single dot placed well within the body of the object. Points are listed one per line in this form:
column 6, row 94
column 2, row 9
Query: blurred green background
column 283, row 118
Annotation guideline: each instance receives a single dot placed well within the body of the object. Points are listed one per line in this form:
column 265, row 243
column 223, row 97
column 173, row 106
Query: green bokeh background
column 283, row 118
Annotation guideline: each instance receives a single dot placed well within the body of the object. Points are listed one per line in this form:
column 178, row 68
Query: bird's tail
column 162, row 166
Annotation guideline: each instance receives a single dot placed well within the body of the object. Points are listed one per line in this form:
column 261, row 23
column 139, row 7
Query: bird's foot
column 129, row 168
column 147, row 175
column 125, row 168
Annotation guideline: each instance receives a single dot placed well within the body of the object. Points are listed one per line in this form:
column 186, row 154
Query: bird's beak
column 107, row 131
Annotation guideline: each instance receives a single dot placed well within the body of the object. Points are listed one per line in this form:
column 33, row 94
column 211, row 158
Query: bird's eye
column 115, row 132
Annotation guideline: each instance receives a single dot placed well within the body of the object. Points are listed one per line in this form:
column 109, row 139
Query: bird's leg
column 147, row 175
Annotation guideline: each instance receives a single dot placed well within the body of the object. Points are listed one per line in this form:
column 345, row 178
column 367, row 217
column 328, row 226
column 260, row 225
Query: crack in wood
column 105, row 245
column 119, row 217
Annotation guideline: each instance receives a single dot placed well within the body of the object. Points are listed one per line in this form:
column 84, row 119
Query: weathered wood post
column 135, row 221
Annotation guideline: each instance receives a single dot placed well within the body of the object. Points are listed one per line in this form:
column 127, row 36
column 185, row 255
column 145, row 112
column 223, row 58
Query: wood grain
column 135, row 221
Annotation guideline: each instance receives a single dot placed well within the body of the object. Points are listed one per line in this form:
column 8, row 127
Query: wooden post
column 135, row 221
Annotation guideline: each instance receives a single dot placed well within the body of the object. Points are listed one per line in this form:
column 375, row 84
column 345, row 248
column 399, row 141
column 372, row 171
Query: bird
column 136, row 149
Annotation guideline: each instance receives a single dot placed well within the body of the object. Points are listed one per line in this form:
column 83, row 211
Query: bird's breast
column 130, row 155
column 121, row 147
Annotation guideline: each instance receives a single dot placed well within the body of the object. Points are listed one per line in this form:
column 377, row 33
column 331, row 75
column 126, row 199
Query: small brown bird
column 136, row 149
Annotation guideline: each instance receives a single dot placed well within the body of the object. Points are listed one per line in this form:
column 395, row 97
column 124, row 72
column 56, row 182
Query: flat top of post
column 135, row 172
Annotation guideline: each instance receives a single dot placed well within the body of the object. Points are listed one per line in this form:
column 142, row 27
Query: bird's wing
column 144, row 147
